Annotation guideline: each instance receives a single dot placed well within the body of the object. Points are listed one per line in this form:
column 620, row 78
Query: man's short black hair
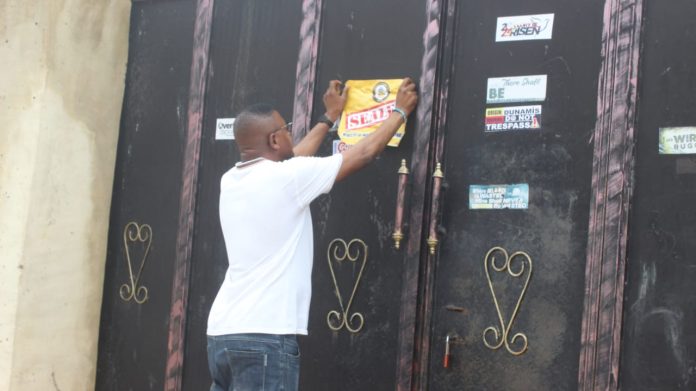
column 249, row 115
column 261, row 109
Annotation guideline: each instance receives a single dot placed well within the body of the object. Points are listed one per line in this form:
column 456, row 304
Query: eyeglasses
column 287, row 127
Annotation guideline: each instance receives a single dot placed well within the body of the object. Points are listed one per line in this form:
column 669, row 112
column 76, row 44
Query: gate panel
column 554, row 162
column 253, row 56
column 659, row 340
column 133, row 336
column 361, row 40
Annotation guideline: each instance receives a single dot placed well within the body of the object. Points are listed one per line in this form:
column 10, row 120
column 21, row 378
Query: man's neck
column 247, row 163
column 249, row 156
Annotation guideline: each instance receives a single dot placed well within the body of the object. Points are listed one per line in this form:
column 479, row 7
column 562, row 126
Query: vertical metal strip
column 612, row 174
column 306, row 75
column 182, row 262
column 409, row 366
column 442, row 71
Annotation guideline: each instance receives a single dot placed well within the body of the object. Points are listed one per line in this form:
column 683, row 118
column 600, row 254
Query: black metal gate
column 550, row 318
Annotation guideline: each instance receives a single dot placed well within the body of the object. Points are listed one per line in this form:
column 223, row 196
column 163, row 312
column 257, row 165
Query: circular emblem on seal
column 380, row 92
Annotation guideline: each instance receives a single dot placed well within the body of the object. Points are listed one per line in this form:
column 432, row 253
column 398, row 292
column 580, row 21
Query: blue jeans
column 254, row 362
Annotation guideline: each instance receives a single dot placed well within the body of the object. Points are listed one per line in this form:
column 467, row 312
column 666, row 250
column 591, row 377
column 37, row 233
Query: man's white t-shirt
column 266, row 222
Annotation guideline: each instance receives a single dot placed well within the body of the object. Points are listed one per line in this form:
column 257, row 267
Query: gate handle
column 398, row 234
column 435, row 206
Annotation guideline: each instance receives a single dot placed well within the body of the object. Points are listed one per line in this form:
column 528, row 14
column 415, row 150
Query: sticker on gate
column 339, row 146
column 524, row 28
column 369, row 103
column 224, row 129
column 677, row 141
column 501, row 119
column 511, row 89
column 499, row 196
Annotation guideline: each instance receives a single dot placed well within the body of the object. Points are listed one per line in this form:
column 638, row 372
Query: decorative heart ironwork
column 134, row 233
column 501, row 335
column 339, row 251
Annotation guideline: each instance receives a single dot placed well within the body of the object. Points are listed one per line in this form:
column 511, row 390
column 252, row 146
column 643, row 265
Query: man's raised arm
column 334, row 101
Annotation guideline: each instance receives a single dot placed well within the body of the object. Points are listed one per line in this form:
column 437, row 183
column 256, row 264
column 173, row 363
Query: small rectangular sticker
column 524, row 28
column 500, row 119
column 677, row 141
column 530, row 88
column 499, row 196
column 224, row 129
column 339, row 146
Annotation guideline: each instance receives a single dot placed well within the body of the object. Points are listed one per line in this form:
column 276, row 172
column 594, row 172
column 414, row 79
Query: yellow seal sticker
column 369, row 103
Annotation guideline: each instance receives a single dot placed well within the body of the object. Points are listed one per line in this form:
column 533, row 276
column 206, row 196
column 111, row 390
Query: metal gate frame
column 612, row 183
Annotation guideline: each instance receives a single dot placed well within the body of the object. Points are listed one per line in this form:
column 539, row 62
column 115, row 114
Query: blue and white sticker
column 499, row 196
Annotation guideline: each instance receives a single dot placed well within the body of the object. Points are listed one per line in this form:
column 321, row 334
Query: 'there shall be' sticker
column 530, row 88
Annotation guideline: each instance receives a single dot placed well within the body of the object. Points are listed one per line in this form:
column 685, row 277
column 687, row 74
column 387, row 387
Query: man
column 263, row 302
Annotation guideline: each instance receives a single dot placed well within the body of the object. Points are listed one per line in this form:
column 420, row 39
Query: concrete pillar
column 61, row 91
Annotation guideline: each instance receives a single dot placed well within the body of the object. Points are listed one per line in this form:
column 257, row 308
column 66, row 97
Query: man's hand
column 407, row 97
column 335, row 100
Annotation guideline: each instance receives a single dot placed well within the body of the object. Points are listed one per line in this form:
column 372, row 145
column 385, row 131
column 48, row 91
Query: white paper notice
column 516, row 89
column 224, row 129
column 524, row 28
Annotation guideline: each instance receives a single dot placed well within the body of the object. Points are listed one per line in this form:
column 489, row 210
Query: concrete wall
column 61, row 90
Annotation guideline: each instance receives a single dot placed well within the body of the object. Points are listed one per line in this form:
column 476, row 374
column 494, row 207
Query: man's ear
column 273, row 141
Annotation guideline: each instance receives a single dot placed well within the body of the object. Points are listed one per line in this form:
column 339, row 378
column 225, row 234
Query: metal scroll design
column 502, row 334
column 340, row 251
column 134, row 233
